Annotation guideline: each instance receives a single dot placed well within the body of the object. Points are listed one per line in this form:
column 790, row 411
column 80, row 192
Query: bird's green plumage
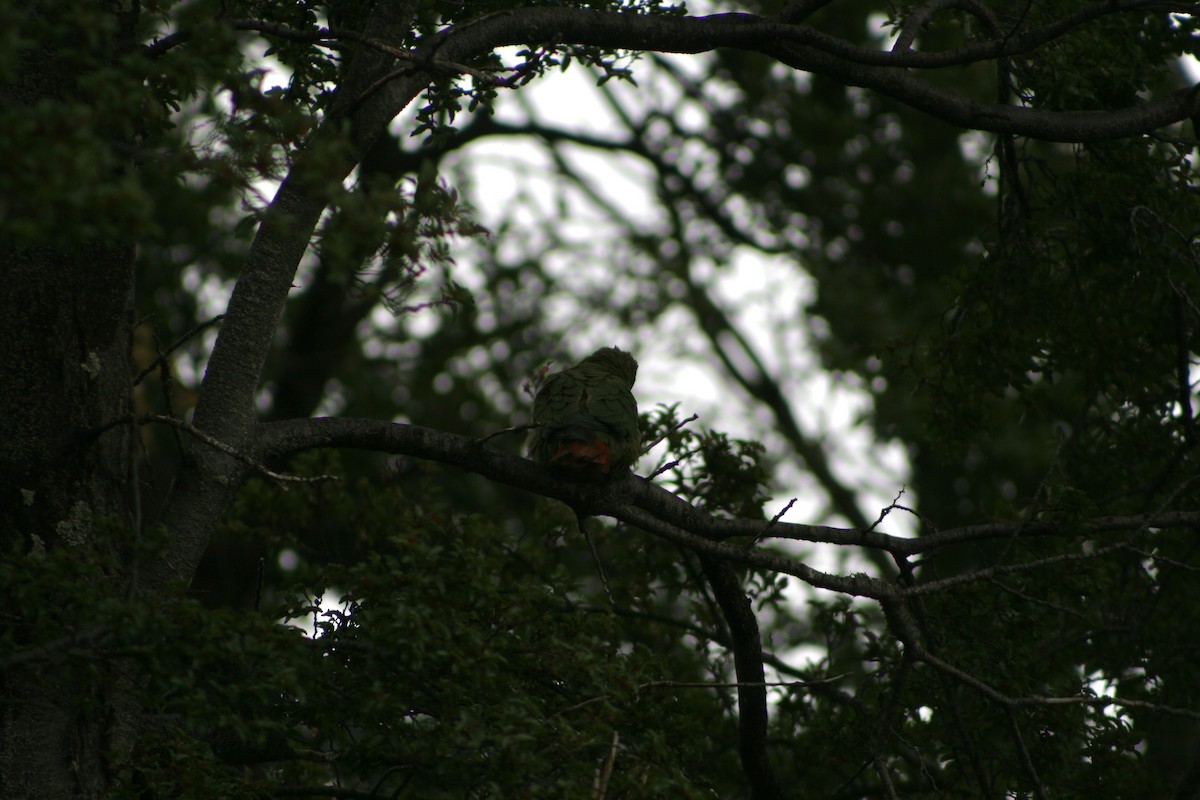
column 588, row 409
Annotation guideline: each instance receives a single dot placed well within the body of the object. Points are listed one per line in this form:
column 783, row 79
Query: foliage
column 443, row 659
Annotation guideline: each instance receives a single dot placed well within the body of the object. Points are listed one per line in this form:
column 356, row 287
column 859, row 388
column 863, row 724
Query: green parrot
column 586, row 418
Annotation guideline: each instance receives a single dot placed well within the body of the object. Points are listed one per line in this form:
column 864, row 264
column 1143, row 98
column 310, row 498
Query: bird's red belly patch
column 589, row 455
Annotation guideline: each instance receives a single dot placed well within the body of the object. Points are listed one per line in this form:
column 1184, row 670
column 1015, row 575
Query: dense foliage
column 282, row 274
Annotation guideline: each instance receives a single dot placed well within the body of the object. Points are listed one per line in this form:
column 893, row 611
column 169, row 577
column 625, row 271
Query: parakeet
column 585, row 417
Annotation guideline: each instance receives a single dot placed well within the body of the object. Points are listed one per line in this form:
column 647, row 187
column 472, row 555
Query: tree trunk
column 64, row 373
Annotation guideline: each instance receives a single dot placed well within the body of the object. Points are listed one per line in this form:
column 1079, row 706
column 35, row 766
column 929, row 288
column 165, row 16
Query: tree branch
column 1003, row 530
column 807, row 49
column 813, row 51
column 632, row 500
column 646, row 505
column 225, row 408
column 748, row 664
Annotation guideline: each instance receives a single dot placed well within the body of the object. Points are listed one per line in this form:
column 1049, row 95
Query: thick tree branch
column 737, row 30
column 645, row 504
column 752, row 687
column 812, row 51
column 225, row 408
column 633, row 500
column 921, row 17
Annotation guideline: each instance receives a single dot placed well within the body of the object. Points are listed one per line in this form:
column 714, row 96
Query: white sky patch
column 324, row 608
column 882, row 31
column 976, row 148
column 557, row 100
column 1192, row 67
column 1105, row 687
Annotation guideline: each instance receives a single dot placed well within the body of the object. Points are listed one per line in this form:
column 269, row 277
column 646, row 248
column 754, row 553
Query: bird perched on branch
column 586, row 419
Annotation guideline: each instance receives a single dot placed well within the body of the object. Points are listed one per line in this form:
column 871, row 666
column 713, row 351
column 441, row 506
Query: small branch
column 999, row 697
column 672, row 464
column 323, row 791
column 701, row 685
column 798, row 11
column 514, row 429
column 919, row 19
column 740, row 684
column 1058, row 608
column 165, row 354
column 895, row 506
column 582, row 521
column 86, row 644
column 1164, row 560
column 998, row 530
column 1005, row 569
column 677, row 427
column 771, row 524
column 229, row 450
column 601, row 785
column 885, row 776
column 1105, row 702
column 1023, row 752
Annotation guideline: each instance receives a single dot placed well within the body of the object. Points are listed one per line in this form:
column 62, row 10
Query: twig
column 582, row 521
column 922, row 16
column 740, row 684
column 885, row 776
column 798, row 11
column 229, row 450
column 1163, row 559
column 678, row 426
column 703, row 685
column 1026, row 761
column 1057, row 607
column 1004, row 569
column 161, row 358
column 514, row 429
column 332, row 39
column 1034, row 700
column 775, row 519
column 340, row 792
column 601, row 785
column 895, row 506
column 1038, row 495
column 672, row 464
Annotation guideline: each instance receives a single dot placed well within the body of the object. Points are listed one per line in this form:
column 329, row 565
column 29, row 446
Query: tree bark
column 64, row 372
